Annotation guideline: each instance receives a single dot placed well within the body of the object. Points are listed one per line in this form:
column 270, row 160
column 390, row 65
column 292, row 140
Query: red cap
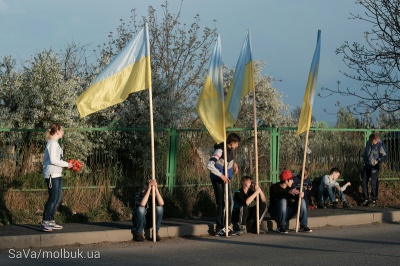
column 286, row 175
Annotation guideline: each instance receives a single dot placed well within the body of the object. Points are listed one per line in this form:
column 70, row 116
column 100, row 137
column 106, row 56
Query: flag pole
column 256, row 157
column 226, row 174
column 302, row 179
column 306, row 111
column 153, row 165
column 226, row 191
column 153, row 161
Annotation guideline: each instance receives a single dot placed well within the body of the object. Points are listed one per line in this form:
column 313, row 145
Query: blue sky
column 284, row 34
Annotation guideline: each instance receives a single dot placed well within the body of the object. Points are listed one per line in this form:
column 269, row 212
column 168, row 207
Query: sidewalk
column 26, row 236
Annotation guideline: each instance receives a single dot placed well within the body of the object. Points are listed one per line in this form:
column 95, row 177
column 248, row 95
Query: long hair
column 52, row 130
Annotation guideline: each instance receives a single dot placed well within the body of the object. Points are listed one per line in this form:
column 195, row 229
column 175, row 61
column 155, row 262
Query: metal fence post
column 172, row 158
column 274, row 154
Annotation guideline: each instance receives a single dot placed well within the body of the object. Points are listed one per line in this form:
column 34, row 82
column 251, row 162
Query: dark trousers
column 54, row 187
column 219, row 192
column 243, row 214
column 373, row 174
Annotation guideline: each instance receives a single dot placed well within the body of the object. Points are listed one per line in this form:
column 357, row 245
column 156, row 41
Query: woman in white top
column 52, row 169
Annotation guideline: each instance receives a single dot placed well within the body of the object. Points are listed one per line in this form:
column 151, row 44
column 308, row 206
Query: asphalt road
column 375, row 244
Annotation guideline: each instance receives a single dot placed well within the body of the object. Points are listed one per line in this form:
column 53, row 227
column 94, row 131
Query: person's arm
column 295, row 191
column 235, row 168
column 263, row 198
column 337, row 185
column 145, row 197
column 382, row 154
column 345, row 186
column 159, row 198
column 211, row 165
column 54, row 155
column 252, row 196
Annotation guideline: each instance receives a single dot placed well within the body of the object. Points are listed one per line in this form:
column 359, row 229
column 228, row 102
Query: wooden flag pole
column 226, row 174
column 226, row 190
column 153, row 160
column 256, row 158
column 153, row 165
column 302, row 179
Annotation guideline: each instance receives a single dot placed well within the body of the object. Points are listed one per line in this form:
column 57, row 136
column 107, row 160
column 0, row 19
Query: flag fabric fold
column 210, row 106
column 128, row 72
column 308, row 100
column 242, row 82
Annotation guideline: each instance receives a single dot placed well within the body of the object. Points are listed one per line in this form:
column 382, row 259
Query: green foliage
column 346, row 119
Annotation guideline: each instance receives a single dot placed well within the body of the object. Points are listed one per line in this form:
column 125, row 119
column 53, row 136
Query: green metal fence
column 119, row 156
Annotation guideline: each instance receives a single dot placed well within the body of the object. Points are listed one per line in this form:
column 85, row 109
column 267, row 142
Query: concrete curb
column 184, row 229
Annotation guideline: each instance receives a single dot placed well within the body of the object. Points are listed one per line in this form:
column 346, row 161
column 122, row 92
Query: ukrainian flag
column 128, row 72
column 306, row 108
column 210, row 106
column 242, row 82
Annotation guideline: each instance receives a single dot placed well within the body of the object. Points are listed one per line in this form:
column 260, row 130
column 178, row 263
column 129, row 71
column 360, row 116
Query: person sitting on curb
column 143, row 215
column 242, row 212
column 284, row 203
column 331, row 186
column 307, row 186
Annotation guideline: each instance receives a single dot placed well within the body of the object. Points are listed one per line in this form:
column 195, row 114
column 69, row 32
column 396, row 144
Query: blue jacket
column 374, row 154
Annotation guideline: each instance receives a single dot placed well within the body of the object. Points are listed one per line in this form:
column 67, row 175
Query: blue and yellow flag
column 242, row 82
column 306, row 108
column 210, row 106
column 128, row 72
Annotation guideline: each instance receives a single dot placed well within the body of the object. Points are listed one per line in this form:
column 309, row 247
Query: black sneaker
column 220, row 232
column 365, row 203
column 140, row 238
column 335, row 205
column 283, row 230
column 305, row 229
column 346, row 205
column 321, row 206
column 223, row 233
column 232, row 232
column 372, row 203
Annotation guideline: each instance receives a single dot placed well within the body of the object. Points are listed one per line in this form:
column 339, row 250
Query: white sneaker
column 55, row 226
column 45, row 226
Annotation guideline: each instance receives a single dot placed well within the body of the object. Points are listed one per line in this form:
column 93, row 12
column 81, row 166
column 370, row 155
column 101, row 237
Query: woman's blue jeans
column 55, row 193
column 141, row 219
column 283, row 211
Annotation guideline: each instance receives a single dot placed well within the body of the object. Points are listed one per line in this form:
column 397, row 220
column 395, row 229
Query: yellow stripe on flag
column 242, row 82
column 210, row 106
column 308, row 100
column 128, row 72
